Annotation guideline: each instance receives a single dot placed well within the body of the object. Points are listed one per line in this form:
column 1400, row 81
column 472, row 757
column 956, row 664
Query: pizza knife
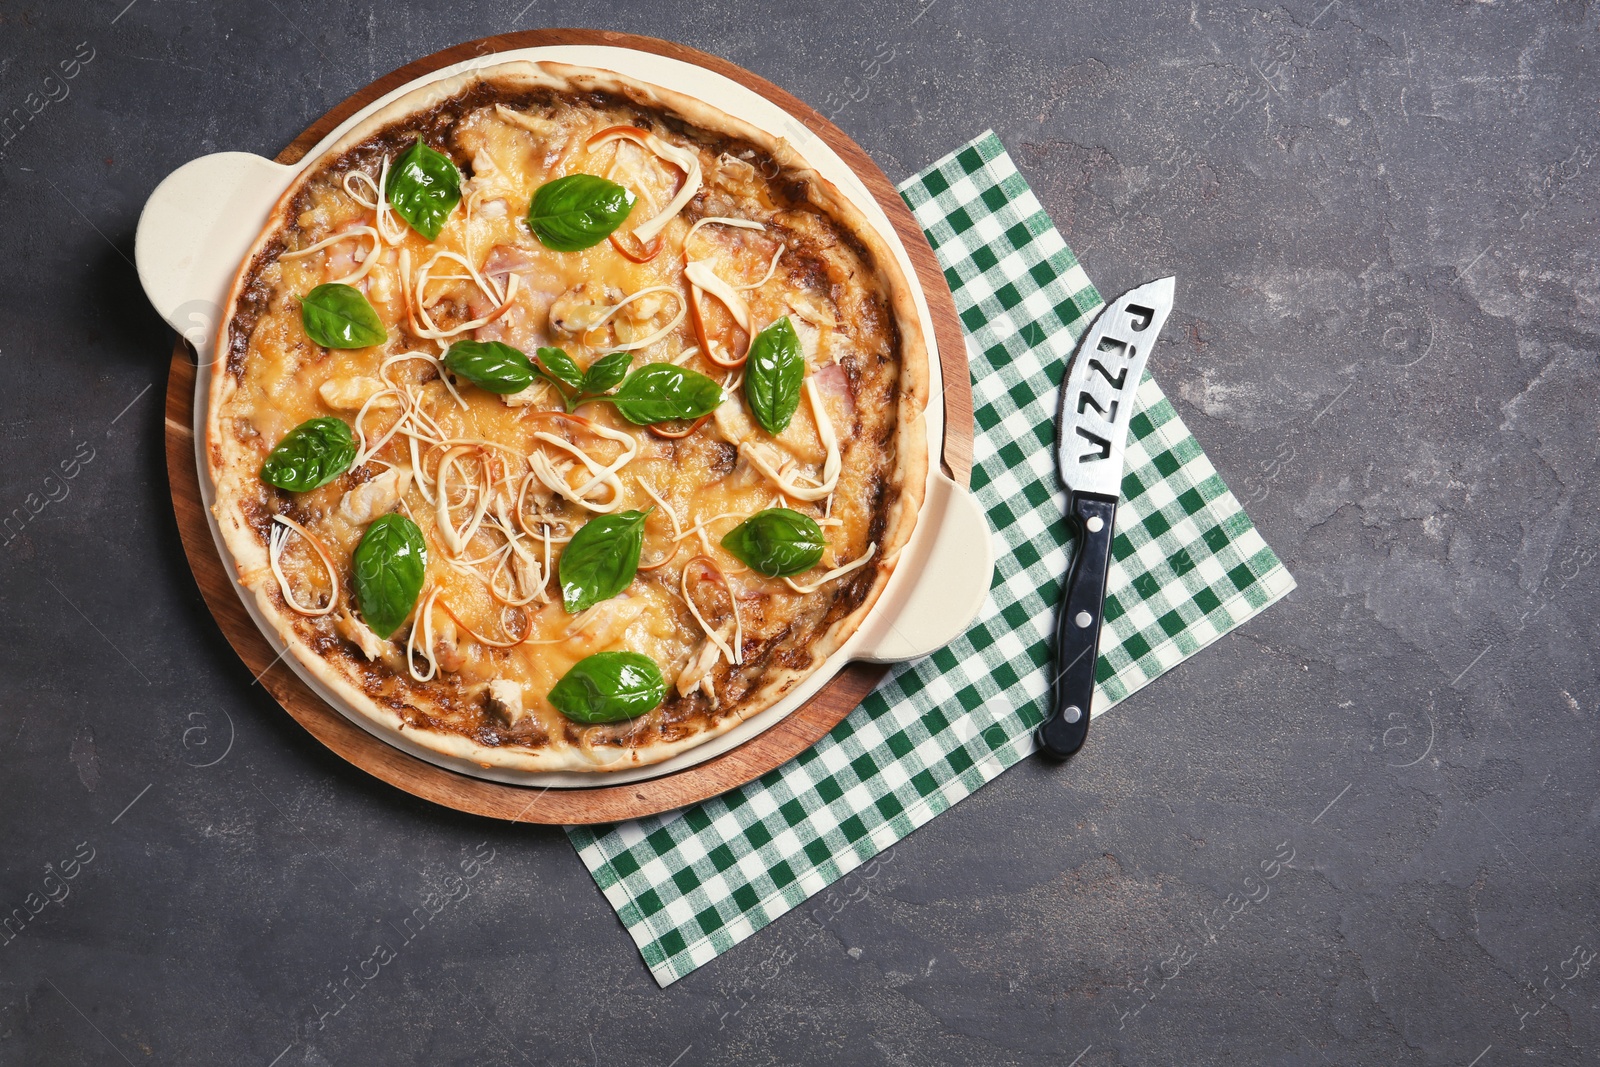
column 1091, row 430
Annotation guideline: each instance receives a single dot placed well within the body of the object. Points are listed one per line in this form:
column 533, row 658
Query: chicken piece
column 489, row 179
column 384, row 277
column 348, row 394
column 731, row 421
column 810, row 339
column 525, row 398
column 579, row 308
column 376, row 496
column 535, row 124
column 503, row 700
column 531, row 578
column 814, row 309
column 734, row 171
column 697, row 675
column 447, row 653
column 356, row 632
column 604, row 624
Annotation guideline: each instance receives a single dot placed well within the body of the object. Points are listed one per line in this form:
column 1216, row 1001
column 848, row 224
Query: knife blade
column 1091, row 430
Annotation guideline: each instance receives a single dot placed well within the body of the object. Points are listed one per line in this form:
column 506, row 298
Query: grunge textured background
column 1383, row 223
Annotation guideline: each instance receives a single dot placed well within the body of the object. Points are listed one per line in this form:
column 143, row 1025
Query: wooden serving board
column 603, row 803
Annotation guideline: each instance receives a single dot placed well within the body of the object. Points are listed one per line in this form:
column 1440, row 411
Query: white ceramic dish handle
column 195, row 229
column 949, row 580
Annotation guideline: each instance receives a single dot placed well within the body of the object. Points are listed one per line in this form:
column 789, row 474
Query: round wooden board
column 604, row 803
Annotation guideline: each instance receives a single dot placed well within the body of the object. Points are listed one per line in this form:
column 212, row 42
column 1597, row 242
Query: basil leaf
column 777, row 542
column 311, row 455
column 560, row 366
column 601, row 559
column 660, row 392
column 773, row 374
column 491, row 365
column 605, row 373
column 424, row 186
column 609, row 687
column 387, row 568
column 338, row 316
column 578, row 211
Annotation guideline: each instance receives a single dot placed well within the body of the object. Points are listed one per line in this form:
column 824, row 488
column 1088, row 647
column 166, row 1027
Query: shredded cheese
column 352, row 234
column 643, row 342
column 743, row 224
column 275, row 545
column 393, row 230
column 368, row 202
column 677, row 529
column 772, row 268
column 422, row 323
column 424, row 623
column 703, row 277
column 734, row 654
column 682, row 158
column 456, row 540
column 600, row 474
column 522, row 521
column 365, row 452
column 721, row 220
column 837, row 572
column 700, row 526
column 786, row 482
column 535, row 576
column 527, row 627
column 555, row 479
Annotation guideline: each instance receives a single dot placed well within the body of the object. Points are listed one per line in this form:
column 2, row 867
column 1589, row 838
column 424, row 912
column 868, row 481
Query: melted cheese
column 498, row 488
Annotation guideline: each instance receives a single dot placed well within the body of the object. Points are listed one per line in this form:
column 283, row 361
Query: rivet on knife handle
column 1078, row 627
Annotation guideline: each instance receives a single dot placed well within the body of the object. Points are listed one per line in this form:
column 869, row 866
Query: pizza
column 562, row 422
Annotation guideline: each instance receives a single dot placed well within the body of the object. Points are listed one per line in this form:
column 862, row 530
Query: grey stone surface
column 1383, row 222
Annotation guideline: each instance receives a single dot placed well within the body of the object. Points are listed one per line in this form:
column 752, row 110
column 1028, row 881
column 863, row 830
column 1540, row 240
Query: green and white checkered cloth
column 1188, row 567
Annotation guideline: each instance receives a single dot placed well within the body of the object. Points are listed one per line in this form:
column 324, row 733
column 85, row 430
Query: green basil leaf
column 609, row 687
column 661, row 392
column 560, row 366
column 601, row 559
column 490, row 365
column 424, row 186
column 311, row 455
column 773, row 374
column 606, row 373
column 338, row 316
column 578, row 211
column 388, row 567
column 777, row 542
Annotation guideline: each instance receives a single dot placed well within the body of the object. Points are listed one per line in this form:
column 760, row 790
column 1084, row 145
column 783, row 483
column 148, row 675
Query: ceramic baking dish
column 198, row 224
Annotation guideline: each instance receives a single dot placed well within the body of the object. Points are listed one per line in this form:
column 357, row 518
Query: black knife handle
column 1078, row 627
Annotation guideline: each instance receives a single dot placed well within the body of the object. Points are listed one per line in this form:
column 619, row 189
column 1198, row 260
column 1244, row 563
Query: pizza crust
column 603, row 749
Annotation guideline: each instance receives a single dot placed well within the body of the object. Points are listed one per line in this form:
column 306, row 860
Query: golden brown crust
column 237, row 484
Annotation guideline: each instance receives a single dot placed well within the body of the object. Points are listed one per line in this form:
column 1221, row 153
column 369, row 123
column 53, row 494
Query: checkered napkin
column 1188, row 566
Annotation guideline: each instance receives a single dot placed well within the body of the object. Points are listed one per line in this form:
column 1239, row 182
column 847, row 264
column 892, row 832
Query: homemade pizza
column 562, row 422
